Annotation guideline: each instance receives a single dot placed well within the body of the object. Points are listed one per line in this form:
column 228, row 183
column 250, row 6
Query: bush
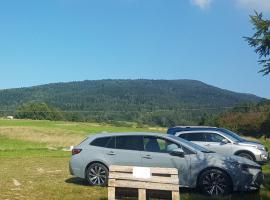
column 266, row 126
column 38, row 111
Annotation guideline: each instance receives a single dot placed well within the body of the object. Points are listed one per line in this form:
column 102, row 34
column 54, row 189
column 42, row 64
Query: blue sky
column 70, row 40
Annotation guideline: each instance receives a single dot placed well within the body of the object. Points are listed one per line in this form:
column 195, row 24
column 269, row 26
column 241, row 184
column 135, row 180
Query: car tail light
column 76, row 151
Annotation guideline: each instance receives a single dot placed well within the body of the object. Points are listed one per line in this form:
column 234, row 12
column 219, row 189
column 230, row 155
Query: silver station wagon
column 214, row 174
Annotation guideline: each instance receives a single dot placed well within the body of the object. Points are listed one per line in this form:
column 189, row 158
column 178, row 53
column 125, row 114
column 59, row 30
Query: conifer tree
column 261, row 41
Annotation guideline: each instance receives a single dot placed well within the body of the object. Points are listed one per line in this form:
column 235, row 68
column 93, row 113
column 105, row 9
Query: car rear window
column 100, row 142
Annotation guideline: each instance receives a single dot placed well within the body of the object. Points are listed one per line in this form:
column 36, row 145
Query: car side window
column 100, row 142
column 184, row 136
column 129, row 143
column 213, row 137
column 158, row 145
column 111, row 143
column 198, row 137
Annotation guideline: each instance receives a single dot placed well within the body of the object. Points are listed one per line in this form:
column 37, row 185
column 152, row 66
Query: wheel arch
column 100, row 162
column 247, row 152
column 210, row 168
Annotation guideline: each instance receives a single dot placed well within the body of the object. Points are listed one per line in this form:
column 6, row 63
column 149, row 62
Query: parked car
column 212, row 173
column 222, row 141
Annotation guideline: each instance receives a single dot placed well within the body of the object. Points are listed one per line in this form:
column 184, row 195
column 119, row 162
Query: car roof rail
column 194, row 127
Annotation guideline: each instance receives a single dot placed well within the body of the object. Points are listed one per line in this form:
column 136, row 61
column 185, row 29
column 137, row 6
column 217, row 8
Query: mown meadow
column 34, row 166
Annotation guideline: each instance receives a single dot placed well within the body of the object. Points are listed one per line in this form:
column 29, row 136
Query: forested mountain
column 163, row 102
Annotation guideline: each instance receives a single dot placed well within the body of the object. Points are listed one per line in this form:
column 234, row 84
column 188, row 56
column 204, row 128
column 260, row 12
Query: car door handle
column 111, row 153
column 147, row 157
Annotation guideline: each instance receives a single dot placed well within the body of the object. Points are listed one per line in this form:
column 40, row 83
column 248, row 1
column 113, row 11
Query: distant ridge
column 126, row 96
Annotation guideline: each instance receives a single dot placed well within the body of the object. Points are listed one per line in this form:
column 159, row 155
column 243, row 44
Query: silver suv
column 222, row 141
column 212, row 173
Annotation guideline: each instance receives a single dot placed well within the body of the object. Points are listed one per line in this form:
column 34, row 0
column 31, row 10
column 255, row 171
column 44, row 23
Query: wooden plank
column 153, row 179
column 156, row 170
column 111, row 193
column 175, row 176
column 142, row 185
column 142, row 194
column 119, row 168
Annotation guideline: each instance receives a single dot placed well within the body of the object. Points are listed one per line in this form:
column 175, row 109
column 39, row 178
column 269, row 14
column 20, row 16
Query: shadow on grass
column 77, row 181
column 193, row 194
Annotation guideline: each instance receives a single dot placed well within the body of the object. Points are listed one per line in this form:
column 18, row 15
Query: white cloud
column 259, row 5
column 203, row 4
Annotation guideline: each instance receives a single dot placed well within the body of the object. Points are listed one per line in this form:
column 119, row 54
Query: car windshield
column 233, row 135
column 190, row 144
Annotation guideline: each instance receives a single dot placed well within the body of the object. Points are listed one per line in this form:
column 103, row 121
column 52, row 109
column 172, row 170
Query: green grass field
column 34, row 166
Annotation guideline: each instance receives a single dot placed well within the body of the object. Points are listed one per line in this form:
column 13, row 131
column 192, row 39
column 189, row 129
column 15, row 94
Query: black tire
column 215, row 182
column 97, row 175
column 246, row 155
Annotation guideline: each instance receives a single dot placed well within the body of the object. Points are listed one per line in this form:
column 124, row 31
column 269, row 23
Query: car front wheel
column 97, row 174
column 215, row 182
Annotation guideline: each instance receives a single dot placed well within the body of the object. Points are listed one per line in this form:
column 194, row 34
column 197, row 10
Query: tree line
column 250, row 119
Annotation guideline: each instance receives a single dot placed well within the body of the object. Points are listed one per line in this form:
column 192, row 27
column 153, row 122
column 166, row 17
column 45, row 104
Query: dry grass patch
column 53, row 138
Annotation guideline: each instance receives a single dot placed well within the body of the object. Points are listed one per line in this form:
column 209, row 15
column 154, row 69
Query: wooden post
column 142, row 194
column 111, row 193
column 175, row 195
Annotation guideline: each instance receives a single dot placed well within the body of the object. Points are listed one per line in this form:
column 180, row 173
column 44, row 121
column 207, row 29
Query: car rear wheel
column 215, row 182
column 246, row 155
column 97, row 174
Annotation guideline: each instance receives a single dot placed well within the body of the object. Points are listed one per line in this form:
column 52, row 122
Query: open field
column 33, row 165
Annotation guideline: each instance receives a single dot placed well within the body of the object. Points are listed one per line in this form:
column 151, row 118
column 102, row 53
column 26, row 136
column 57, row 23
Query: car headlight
column 261, row 148
column 247, row 167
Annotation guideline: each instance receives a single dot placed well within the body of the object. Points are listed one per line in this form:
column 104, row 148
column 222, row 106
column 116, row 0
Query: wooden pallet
column 161, row 179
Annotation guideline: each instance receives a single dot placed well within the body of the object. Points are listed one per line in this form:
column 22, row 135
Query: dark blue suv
column 176, row 129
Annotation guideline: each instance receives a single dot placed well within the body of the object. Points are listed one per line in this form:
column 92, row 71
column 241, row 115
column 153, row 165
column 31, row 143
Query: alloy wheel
column 215, row 183
column 97, row 175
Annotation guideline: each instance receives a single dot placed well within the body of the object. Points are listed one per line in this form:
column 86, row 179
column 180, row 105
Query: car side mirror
column 225, row 141
column 178, row 152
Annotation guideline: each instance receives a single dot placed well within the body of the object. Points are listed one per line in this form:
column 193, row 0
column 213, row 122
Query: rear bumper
column 70, row 169
column 75, row 167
